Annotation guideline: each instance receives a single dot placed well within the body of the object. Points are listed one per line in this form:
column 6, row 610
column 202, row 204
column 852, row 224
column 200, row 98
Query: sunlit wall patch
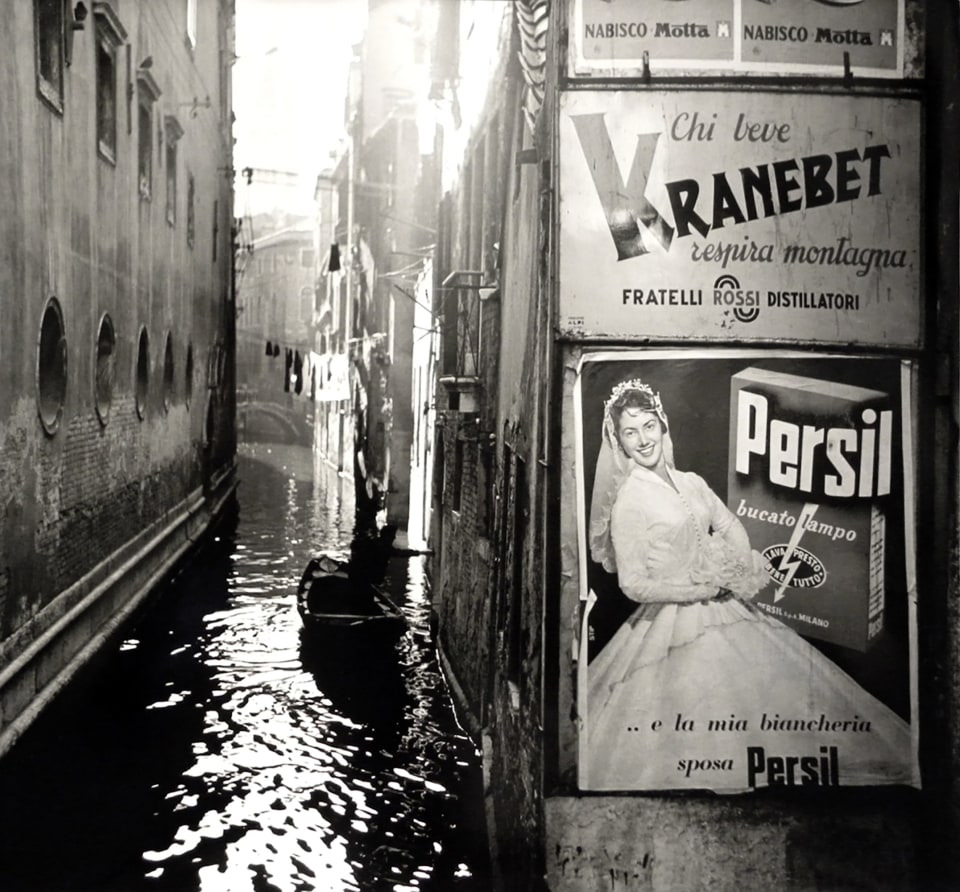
column 794, row 566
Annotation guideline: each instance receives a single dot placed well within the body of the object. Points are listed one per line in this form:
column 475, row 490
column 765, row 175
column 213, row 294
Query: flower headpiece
column 636, row 384
column 614, row 466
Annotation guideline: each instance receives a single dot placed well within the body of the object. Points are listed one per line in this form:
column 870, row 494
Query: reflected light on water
column 263, row 761
column 331, row 772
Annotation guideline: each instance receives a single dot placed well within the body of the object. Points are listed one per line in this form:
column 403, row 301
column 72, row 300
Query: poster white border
column 908, row 382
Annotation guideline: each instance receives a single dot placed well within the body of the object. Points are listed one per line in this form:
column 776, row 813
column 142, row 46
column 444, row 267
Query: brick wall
column 466, row 565
column 92, row 490
column 76, row 227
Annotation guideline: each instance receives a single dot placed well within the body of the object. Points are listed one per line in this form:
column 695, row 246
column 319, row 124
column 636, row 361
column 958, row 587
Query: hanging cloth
column 269, row 350
column 297, row 373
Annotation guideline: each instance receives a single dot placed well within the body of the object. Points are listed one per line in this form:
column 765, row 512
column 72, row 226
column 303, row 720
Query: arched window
column 51, row 367
column 106, row 345
column 143, row 371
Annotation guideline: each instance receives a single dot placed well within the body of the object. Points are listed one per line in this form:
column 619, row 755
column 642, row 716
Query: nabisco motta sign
column 740, row 216
column 814, row 37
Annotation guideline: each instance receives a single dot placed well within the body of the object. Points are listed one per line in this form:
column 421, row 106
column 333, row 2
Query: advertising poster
column 757, row 216
column 746, row 571
column 816, row 33
column 616, row 33
column 815, row 37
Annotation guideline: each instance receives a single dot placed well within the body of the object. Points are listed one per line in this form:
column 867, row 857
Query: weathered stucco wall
column 624, row 843
column 463, row 618
column 489, row 579
column 79, row 226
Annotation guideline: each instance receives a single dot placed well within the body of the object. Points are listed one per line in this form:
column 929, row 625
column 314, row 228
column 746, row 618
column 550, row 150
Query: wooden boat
column 330, row 598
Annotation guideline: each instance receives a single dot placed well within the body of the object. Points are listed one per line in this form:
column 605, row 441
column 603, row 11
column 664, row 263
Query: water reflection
column 221, row 748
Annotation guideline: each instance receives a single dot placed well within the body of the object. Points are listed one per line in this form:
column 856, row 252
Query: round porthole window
column 168, row 372
column 188, row 376
column 143, row 371
column 106, row 347
column 51, row 367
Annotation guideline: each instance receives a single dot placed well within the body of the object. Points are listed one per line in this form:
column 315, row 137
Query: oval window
column 106, row 346
column 188, row 376
column 168, row 372
column 143, row 371
column 51, row 367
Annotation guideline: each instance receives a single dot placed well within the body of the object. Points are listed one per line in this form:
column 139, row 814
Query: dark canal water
column 215, row 749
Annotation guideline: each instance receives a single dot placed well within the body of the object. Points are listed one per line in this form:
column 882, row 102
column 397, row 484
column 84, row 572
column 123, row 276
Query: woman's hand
column 749, row 576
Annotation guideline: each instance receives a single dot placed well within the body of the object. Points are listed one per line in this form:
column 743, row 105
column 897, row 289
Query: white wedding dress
column 694, row 692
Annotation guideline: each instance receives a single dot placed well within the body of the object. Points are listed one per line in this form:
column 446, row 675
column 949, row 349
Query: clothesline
column 298, row 370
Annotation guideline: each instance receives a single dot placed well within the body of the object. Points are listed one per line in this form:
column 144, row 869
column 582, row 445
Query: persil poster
column 740, row 216
column 746, row 570
column 809, row 477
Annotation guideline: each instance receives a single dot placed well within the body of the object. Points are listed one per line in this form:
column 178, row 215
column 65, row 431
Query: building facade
column 489, row 517
column 383, row 235
column 118, row 409
column 276, row 379
column 750, row 212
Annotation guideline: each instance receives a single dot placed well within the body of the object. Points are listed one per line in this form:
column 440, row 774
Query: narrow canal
column 215, row 749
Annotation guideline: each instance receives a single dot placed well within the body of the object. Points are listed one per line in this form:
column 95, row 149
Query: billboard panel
column 815, row 37
column 757, row 216
column 746, row 570
column 815, row 34
column 614, row 36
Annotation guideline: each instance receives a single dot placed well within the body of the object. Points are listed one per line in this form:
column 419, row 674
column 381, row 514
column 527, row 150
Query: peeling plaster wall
column 681, row 844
